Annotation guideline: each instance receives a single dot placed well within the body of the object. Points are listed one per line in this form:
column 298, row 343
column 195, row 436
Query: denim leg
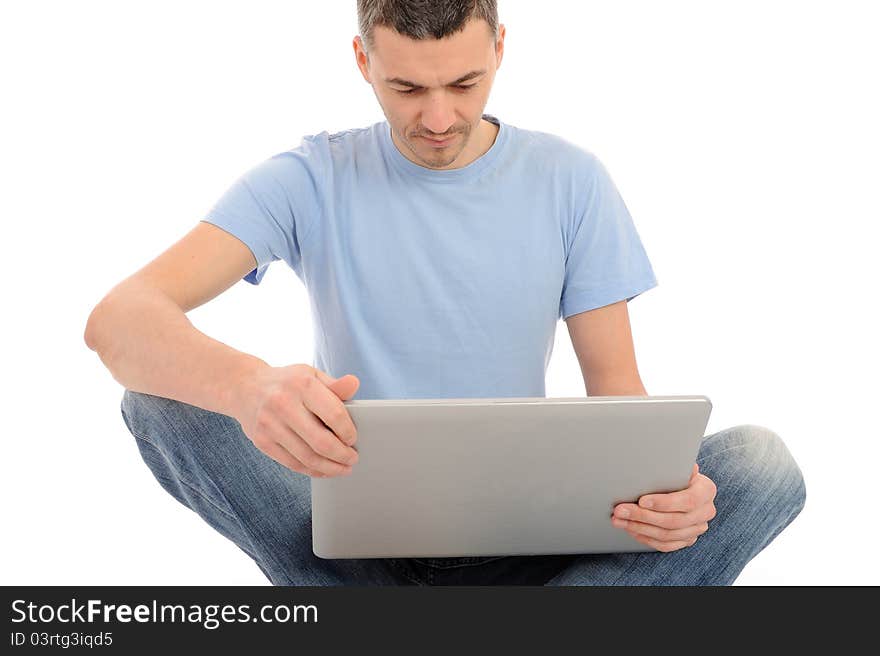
column 205, row 461
column 497, row 570
column 760, row 490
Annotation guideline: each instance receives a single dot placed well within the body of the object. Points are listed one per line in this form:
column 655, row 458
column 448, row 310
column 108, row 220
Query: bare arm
column 141, row 332
column 603, row 343
column 149, row 345
column 293, row 414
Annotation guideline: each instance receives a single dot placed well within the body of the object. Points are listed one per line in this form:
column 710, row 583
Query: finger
column 667, row 520
column 316, row 434
column 323, row 377
column 662, row 534
column 282, row 456
column 700, row 491
column 329, row 409
column 663, row 546
column 321, row 440
column 290, row 440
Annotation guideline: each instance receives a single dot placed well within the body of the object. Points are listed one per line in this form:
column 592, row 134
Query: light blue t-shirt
column 439, row 283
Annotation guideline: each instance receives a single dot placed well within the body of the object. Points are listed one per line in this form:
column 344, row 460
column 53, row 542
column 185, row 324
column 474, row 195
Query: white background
column 743, row 137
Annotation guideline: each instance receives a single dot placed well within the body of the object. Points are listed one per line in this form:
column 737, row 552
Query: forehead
column 431, row 60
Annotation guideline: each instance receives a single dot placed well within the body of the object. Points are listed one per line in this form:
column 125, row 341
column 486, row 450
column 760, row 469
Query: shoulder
column 557, row 153
column 329, row 153
column 314, row 156
column 311, row 165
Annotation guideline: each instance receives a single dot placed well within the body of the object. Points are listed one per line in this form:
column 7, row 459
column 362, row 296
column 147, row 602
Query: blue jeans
column 206, row 462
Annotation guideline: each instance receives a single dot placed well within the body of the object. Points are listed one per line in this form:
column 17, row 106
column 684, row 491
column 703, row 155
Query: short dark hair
column 423, row 19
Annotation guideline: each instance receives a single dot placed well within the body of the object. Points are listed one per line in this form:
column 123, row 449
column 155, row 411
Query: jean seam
column 184, row 482
column 395, row 564
column 232, row 517
column 788, row 520
column 457, row 566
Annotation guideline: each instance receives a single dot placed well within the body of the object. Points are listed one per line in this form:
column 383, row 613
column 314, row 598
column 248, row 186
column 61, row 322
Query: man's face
column 419, row 85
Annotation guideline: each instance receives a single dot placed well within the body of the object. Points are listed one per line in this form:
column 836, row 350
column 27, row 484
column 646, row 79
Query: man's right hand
column 295, row 415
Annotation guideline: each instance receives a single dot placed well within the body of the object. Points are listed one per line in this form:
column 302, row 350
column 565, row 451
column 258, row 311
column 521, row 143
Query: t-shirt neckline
column 469, row 172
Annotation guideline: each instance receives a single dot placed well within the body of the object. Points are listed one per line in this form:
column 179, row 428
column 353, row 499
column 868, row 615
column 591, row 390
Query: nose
column 438, row 115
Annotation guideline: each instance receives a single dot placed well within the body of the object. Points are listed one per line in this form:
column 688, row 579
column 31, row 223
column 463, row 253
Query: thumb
column 344, row 387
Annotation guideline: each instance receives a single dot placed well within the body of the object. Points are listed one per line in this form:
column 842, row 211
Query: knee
column 143, row 413
column 764, row 463
column 138, row 411
column 153, row 418
column 175, row 427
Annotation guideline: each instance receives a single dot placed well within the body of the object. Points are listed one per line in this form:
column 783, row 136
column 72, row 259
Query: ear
column 361, row 58
column 499, row 46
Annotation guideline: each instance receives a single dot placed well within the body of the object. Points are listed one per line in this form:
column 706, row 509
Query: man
column 439, row 249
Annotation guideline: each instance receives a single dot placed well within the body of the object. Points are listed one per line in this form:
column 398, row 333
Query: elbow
column 90, row 335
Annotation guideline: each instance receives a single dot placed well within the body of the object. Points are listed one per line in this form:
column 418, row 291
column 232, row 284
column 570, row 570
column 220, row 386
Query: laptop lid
column 505, row 476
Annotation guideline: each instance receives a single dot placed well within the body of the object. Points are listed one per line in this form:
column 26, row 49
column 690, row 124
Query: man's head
column 431, row 64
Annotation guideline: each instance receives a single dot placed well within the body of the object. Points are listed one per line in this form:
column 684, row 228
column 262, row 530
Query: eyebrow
column 463, row 78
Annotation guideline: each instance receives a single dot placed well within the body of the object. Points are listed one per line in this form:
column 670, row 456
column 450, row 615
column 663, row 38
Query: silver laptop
column 505, row 476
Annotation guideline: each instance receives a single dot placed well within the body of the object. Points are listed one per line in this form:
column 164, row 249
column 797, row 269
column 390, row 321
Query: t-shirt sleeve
column 605, row 261
column 273, row 206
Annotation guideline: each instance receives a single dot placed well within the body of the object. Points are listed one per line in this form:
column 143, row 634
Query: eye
column 462, row 87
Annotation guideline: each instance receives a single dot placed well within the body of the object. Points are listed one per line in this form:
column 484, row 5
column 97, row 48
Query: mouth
column 434, row 143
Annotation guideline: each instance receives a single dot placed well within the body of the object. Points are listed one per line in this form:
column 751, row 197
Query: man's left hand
column 670, row 521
